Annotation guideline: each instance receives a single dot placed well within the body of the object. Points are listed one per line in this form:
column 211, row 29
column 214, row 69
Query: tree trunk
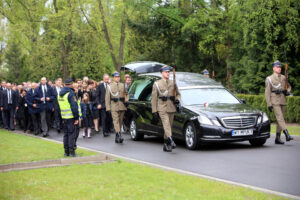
column 122, row 41
column 107, row 37
column 65, row 48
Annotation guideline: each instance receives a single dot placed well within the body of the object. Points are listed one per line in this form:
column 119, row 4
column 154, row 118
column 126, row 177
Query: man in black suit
column 33, row 108
column 2, row 88
column 44, row 97
column 57, row 116
column 9, row 105
column 105, row 116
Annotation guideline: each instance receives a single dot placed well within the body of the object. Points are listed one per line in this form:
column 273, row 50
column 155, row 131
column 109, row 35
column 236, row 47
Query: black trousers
column 106, row 120
column 57, row 119
column 77, row 130
column 35, row 119
column 1, row 120
column 8, row 117
column 69, row 134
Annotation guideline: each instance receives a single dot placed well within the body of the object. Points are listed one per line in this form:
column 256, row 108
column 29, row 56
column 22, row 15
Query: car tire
column 258, row 142
column 134, row 134
column 190, row 135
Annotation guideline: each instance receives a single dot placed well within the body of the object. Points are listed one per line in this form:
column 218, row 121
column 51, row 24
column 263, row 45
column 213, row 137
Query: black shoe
column 72, row 153
column 167, row 146
column 58, row 130
column 46, row 134
column 117, row 139
column 171, row 141
column 105, row 134
column 36, row 133
column 121, row 138
column 287, row 135
column 278, row 140
column 67, row 153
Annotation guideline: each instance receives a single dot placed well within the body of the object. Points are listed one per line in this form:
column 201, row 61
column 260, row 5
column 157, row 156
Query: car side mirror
column 243, row 101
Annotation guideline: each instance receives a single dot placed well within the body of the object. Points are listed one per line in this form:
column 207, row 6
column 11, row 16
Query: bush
column 259, row 102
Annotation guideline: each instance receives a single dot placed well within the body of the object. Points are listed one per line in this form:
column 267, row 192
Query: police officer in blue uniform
column 70, row 115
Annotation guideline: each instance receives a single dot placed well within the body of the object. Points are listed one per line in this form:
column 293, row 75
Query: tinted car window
column 137, row 87
column 207, row 95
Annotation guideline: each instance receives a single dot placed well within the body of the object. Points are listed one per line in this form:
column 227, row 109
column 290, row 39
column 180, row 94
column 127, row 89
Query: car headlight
column 216, row 122
column 265, row 117
column 204, row 120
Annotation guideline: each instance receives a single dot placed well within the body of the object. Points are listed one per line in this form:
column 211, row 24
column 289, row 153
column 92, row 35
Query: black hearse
column 210, row 113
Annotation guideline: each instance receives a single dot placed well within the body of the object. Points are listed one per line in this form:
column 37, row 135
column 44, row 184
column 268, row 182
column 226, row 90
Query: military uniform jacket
column 273, row 83
column 115, row 91
column 164, row 88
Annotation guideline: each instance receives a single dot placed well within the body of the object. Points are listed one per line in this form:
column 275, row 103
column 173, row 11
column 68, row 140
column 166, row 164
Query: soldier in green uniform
column 164, row 105
column 276, row 93
column 115, row 101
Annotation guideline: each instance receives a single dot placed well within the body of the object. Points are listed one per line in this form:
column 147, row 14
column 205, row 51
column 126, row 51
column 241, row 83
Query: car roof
column 186, row 80
column 142, row 66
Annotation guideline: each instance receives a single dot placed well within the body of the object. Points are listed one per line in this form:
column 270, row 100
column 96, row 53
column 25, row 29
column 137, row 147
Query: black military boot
column 121, row 139
column 167, row 146
column 72, row 153
column 278, row 140
column 287, row 135
column 117, row 139
column 171, row 141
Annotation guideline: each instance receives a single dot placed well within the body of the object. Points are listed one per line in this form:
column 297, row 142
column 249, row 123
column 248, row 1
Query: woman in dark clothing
column 93, row 101
column 87, row 119
column 22, row 112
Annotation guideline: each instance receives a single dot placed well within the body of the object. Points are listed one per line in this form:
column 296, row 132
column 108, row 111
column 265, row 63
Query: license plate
column 242, row 132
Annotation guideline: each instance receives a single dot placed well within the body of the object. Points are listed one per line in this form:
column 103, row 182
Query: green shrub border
column 259, row 101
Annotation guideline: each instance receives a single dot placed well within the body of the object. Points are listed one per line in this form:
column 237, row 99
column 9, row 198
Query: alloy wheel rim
column 189, row 136
column 133, row 129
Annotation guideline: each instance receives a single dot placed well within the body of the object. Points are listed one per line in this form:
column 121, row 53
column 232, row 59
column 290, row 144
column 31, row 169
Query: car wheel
column 190, row 135
column 258, row 142
column 135, row 135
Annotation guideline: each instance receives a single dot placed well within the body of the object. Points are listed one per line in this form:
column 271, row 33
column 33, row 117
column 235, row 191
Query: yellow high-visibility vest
column 65, row 107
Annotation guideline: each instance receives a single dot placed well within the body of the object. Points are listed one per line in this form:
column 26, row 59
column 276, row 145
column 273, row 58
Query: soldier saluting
column 115, row 100
column 276, row 93
column 163, row 104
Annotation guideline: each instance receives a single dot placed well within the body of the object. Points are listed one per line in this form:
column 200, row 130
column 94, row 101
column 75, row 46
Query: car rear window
column 137, row 87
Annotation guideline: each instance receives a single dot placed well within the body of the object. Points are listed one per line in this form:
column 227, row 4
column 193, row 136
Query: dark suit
column 57, row 115
column 106, row 120
column 34, row 112
column 9, row 108
column 45, row 106
column 1, row 120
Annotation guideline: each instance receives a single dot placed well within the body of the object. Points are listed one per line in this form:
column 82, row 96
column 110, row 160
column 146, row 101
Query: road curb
column 55, row 163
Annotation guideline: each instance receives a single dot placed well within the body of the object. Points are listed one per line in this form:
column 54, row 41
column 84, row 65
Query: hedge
column 259, row 102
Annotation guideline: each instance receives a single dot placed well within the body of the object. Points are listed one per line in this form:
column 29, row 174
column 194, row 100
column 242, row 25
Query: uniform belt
column 278, row 91
column 165, row 98
column 118, row 99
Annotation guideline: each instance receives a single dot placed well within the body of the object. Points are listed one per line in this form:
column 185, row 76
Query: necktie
column 44, row 93
column 9, row 97
column 32, row 91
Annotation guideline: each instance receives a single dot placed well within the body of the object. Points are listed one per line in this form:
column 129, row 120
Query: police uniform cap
column 116, row 74
column 276, row 64
column 68, row 81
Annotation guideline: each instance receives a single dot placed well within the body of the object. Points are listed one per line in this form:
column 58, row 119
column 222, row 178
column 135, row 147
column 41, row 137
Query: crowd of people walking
column 33, row 107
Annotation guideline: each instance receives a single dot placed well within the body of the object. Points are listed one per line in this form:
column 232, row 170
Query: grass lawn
column 293, row 129
column 116, row 180
column 20, row 148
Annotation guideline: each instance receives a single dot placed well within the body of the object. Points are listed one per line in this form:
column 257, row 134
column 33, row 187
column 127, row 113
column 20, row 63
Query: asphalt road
column 273, row 167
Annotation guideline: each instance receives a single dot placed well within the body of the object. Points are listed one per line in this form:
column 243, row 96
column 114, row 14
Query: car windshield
column 207, row 95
